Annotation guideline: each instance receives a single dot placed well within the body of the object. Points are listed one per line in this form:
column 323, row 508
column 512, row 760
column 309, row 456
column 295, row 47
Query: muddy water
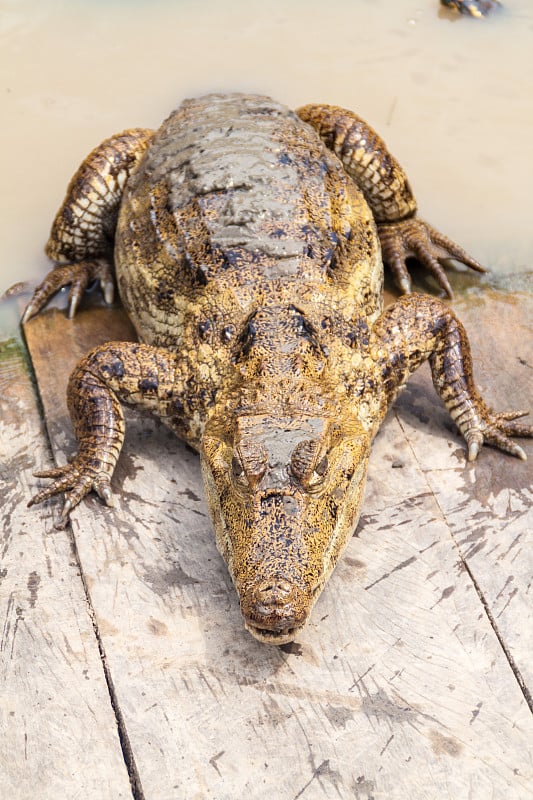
column 450, row 95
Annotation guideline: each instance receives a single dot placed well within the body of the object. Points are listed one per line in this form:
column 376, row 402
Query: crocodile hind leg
column 149, row 378
column 418, row 327
column 384, row 184
column 81, row 239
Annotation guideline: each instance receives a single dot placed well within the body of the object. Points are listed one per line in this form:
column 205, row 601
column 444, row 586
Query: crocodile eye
column 249, row 463
column 302, row 460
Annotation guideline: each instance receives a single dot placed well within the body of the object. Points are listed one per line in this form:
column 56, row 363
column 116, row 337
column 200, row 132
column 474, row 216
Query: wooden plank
column 58, row 735
column 488, row 505
column 398, row 688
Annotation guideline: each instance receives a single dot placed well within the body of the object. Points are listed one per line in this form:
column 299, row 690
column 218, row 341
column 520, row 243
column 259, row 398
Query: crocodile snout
column 272, row 594
column 273, row 610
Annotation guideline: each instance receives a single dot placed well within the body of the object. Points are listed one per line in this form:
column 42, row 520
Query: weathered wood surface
column 488, row 505
column 401, row 685
column 58, row 734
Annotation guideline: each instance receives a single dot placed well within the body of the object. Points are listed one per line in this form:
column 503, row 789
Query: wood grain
column 58, row 735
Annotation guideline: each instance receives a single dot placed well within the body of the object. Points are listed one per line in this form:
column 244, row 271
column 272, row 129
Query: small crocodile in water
column 248, row 246
column 474, row 8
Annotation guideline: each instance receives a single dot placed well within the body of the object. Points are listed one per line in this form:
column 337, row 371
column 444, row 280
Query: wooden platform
column 126, row 670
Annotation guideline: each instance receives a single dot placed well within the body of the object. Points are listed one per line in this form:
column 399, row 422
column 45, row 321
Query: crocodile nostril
column 275, row 609
column 275, row 592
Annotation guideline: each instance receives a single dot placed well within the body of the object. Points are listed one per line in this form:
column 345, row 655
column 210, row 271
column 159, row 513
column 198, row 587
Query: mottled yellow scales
column 248, row 244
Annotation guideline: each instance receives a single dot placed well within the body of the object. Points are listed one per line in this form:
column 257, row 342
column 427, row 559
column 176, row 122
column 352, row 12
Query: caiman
column 473, row 8
column 248, row 243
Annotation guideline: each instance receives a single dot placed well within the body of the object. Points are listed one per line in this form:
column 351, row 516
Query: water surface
column 450, row 95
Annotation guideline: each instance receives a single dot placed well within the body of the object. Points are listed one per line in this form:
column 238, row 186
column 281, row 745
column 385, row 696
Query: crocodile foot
column 76, row 479
column 78, row 277
column 475, row 8
column 415, row 238
column 495, row 428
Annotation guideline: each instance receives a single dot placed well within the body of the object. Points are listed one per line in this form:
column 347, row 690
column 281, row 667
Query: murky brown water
column 451, row 96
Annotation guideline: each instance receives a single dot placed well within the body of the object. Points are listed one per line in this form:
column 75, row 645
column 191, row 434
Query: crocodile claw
column 415, row 238
column 76, row 480
column 78, row 277
column 496, row 429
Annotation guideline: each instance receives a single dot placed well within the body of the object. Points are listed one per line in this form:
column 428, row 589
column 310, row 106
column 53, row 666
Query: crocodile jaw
column 273, row 637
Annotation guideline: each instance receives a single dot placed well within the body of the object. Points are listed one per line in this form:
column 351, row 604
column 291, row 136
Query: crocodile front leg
column 418, row 327
column 140, row 375
column 81, row 239
column 380, row 177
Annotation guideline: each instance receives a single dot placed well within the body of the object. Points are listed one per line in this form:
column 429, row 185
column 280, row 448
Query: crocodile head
column 284, row 493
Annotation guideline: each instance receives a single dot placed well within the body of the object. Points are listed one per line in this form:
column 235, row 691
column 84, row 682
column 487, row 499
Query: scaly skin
column 247, row 252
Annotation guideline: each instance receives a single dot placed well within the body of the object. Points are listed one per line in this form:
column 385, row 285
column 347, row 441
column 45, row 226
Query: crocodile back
column 238, row 204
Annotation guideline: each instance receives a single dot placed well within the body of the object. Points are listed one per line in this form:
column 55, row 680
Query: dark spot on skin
column 248, row 335
column 179, row 407
column 114, row 368
column 204, row 328
column 68, row 216
column 201, row 275
column 207, row 396
column 198, row 272
column 331, row 261
column 397, row 360
column 231, row 258
column 164, row 291
column 284, row 159
column 148, row 385
column 228, row 332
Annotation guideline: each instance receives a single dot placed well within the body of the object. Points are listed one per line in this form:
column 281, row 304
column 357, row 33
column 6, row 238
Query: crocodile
column 248, row 243
column 473, row 8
